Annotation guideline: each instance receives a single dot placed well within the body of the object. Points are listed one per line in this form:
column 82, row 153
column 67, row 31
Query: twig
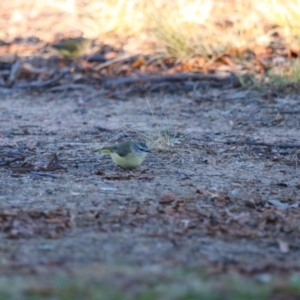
column 44, row 174
column 289, row 112
column 91, row 96
column 262, row 144
column 7, row 163
column 71, row 86
column 115, row 60
column 14, row 73
column 173, row 78
column 39, row 84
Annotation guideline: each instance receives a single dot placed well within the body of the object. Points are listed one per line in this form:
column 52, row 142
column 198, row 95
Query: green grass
column 137, row 284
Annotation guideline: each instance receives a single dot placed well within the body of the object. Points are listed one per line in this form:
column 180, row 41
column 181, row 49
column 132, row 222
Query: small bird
column 128, row 155
column 72, row 48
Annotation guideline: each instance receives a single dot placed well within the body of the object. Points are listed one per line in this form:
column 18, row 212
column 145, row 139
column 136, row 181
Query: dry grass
column 181, row 28
column 161, row 136
column 286, row 74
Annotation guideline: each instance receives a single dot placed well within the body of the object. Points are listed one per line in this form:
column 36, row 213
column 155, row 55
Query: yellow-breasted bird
column 73, row 47
column 128, row 155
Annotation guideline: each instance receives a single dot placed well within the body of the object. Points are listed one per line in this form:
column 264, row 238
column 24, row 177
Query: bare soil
column 198, row 202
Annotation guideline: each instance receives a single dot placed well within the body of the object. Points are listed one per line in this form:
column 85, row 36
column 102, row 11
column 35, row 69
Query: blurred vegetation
column 180, row 28
column 131, row 284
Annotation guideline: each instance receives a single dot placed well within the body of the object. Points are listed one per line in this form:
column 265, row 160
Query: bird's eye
column 143, row 147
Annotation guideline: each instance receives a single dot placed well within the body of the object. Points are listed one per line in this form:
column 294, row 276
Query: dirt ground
column 212, row 213
column 197, row 202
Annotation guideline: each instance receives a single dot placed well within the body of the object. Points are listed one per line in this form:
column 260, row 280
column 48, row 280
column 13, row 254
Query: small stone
column 167, row 197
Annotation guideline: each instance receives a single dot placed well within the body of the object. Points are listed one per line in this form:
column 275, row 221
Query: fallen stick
column 40, row 84
column 173, row 78
column 262, row 144
column 44, row 174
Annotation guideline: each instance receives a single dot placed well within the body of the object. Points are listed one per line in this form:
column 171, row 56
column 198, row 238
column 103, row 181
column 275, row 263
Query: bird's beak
column 105, row 150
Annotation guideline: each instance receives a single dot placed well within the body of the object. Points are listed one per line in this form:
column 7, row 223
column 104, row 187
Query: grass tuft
column 285, row 75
